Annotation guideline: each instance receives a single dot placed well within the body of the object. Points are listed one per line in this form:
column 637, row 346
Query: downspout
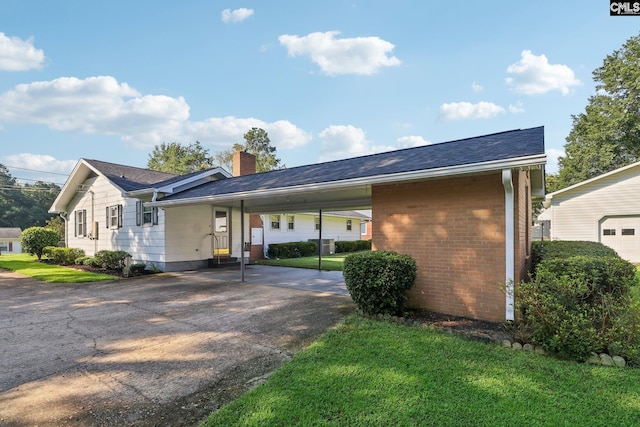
column 320, row 240
column 509, row 241
column 64, row 217
column 242, row 240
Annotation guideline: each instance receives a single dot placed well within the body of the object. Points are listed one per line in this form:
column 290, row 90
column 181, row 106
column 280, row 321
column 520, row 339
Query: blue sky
column 326, row 79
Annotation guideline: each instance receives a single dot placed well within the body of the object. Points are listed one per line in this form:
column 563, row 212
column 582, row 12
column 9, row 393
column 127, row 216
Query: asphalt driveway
column 160, row 350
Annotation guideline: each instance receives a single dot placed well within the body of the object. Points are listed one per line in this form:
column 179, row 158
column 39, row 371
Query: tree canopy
column 607, row 135
column 180, row 159
column 257, row 142
column 25, row 205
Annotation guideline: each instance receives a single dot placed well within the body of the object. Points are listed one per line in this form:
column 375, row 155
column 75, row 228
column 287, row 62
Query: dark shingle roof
column 10, row 232
column 130, row 178
column 495, row 147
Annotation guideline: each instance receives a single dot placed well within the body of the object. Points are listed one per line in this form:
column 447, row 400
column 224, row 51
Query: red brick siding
column 257, row 251
column 243, row 163
column 522, row 197
column 454, row 228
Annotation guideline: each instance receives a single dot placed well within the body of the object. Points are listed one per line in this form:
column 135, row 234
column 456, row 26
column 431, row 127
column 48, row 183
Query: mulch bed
column 470, row 328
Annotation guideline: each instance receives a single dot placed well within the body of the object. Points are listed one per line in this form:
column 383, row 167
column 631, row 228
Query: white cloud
column 342, row 142
column 466, row 110
column 226, row 131
column 476, row 87
column 360, row 55
column 411, row 141
column 19, row 55
column 237, row 15
column 24, row 167
column 552, row 160
column 533, row 75
column 516, row 108
column 102, row 105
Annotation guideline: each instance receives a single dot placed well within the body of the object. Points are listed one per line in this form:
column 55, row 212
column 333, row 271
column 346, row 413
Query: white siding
column 578, row 214
column 304, row 229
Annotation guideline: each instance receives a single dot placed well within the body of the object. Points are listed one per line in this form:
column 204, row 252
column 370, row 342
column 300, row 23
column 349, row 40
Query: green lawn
column 369, row 373
column 329, row 262
column 29, row 266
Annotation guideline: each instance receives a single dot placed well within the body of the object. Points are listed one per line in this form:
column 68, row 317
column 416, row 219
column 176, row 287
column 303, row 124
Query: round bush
column 378, row 281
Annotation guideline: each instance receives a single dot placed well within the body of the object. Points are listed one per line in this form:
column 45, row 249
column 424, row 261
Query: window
column 290, row 222
column 363, row 228
column 349, row 224
column 628, row 232
column 114, row 216
column 4, row 247
column 317, row 219
column 81, row 223
column 275, row 222
column 145, row 215
column 609, row 232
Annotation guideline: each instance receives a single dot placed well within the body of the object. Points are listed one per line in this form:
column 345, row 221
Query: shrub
column 87, row 260
column 378, row 281
column 577, row 305
column 541, row 251
column 63, row 256
column 352, row 246
column 135, row 269
column 291, row 249
column 111, row 260
column 35, row 239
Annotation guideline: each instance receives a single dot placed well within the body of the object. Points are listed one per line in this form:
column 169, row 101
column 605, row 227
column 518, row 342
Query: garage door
column 623, row 235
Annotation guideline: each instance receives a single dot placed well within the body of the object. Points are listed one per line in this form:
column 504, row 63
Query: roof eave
column 475, row 168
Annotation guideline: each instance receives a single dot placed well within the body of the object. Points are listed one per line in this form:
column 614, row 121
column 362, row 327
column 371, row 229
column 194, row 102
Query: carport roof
column 347, row 183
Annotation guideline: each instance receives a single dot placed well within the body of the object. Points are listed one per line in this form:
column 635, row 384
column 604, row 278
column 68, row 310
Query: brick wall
column 243, row 163
column 257, row 250
column 522, row 187
column 454, row 228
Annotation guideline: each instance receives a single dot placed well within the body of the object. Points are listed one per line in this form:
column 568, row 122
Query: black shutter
column 139, row 212
column 107, row 219
column 119, row 216
column 84, row 224
column 75, row 223
column 155, row 216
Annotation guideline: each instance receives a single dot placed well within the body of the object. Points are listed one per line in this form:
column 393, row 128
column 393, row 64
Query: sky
column 326, row 79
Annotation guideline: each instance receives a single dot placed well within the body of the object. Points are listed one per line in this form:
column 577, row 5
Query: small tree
column 35, row 239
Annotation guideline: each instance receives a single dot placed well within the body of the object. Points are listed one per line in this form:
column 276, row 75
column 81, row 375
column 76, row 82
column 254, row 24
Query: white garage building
column 603, row 209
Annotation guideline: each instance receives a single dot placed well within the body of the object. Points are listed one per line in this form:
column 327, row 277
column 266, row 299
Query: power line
column 39, row 180
column 35, row 170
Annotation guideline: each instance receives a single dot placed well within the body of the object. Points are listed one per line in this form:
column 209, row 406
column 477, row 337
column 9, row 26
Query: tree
column 35, row 239
column 257, row 142
column 57, row 224
column 607, row 135
column 180, row 159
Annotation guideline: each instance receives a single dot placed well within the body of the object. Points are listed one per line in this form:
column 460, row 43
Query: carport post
column 242, row 240
column 320, row 240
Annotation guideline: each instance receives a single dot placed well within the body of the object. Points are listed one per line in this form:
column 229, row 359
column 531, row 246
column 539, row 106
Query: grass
column 369, row 373
column 329, row 262
column 30, row 266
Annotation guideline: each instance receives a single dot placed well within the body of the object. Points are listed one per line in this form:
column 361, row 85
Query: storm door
column 221, row 231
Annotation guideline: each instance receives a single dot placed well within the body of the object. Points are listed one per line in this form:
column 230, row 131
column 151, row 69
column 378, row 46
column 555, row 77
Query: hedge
column 343, row 246
column 544, row 250
column 63, row 256
column 291, row 249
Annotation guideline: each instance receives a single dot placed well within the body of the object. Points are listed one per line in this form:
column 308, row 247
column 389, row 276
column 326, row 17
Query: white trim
column 530, row 161
column 509, row 241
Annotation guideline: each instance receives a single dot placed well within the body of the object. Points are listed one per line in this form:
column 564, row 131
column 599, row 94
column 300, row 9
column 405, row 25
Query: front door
column 221, row 231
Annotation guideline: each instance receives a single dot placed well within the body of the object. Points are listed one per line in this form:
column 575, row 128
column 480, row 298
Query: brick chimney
column 243, row 163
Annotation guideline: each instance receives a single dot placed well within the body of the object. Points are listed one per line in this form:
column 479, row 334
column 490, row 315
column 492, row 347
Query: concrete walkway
column 159, row 350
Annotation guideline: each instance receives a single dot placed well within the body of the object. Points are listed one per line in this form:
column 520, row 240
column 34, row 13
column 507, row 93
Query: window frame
column 4, row 248
column 291, row 222
column 608, row 231
column 141, row 214
column 349, row 225
column 628, row 232
column 276, row 223
column 114, row 216
column 80, row 228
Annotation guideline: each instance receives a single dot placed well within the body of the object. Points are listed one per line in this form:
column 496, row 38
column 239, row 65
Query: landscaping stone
column 540, row 350
column 527, row 347
column 606, row 360
column 506, row 343
column 619, row 361
column 516, row 346
column 594, row 359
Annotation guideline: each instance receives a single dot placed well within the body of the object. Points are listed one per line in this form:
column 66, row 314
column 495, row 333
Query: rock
column 594, row 359
column 606, row 360
column 619, row 362
column 527, row 347
column 506, row 343
column 516, row 346
column 539, row 350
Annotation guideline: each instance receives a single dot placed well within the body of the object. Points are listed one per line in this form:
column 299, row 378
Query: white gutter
column 509, row 241
column 519, row 162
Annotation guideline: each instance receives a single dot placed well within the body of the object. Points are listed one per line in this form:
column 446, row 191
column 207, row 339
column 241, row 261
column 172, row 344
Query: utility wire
column 35, row 170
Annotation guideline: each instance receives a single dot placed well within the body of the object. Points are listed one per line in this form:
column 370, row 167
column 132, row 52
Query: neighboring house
column 603, row 209
column 366, row 230
column 10, row 240
column 461, row 209
column 296, row 227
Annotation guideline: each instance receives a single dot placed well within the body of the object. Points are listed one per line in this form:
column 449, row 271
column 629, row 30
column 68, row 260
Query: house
column 10, row 240
column 603, row 209
column 282, row 227
column 461, row 209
